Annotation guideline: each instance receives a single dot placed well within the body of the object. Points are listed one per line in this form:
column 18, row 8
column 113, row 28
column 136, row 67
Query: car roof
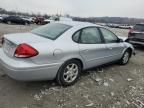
column 78, row 23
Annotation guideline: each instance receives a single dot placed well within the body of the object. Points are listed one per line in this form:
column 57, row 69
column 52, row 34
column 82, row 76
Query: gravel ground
column 110, row 86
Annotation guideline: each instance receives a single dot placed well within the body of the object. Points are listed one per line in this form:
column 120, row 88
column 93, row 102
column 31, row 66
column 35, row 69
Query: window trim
column 109, row 31
column 80, row 30
column 78, row 36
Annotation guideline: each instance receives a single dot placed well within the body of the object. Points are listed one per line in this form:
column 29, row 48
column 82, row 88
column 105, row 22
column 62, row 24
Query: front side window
column 90, row 36
column 51, row 31
column 109, row 37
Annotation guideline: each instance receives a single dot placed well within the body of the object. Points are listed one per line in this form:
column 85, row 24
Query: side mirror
column 119, row 40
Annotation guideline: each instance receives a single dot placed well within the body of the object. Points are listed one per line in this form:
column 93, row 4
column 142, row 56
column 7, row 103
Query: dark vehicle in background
column 30, row 19
column 136, row 35
column 39, row 20
column 15, row 20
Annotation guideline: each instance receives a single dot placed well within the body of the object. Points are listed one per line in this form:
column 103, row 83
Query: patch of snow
column 111, row 79
column 112, row 93
column 106, row 84
column 98, row 79
column 37, row 97
column 129, row 79
column 90, row 104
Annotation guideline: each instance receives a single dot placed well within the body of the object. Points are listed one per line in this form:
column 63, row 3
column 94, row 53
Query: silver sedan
column 60, row 51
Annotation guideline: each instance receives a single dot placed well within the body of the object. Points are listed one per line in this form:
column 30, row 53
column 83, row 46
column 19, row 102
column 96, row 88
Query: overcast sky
column 83, row 8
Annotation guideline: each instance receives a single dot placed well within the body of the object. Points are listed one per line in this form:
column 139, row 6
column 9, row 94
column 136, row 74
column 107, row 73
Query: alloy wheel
column 70, row 73
column 126, row 57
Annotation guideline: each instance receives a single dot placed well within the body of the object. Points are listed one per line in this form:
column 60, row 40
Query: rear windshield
column 139, row 27
column 51, row 31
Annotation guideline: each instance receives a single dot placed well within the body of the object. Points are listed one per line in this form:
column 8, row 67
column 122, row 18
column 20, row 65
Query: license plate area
column 9, row 47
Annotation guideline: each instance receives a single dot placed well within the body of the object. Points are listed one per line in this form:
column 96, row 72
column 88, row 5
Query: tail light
column 25, row 51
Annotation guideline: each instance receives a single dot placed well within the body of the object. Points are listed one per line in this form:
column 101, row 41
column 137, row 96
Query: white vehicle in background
column 54, row 18
column 1, row 18
column 65, row 19
column 125, row 26
column 46, row 21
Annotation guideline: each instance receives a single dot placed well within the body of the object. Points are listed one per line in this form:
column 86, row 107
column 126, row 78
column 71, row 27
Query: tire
column 39, row 23
column 125, row 59
column 26, row 23
column 69, row 73
column 8, row 22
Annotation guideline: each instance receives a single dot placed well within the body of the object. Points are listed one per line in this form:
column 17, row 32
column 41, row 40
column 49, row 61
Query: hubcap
column 70, row 73
column 126, row 57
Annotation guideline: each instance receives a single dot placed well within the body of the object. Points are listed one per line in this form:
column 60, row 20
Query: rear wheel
column 125, row 59
column 69, row 73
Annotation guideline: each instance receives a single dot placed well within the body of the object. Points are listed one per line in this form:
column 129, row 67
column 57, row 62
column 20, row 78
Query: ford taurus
column 60, row 51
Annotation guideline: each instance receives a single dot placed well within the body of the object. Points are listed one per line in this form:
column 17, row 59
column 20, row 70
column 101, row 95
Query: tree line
column 116, row 20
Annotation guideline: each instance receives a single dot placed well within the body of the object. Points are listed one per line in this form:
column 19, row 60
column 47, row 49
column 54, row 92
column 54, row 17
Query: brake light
column 25, row 51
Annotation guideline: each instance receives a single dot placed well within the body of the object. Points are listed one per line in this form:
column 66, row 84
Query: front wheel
column 69, row 73
column 125, row 59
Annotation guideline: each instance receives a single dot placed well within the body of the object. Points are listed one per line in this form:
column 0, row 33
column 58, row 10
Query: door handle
column 86, row 50
column 110, row 48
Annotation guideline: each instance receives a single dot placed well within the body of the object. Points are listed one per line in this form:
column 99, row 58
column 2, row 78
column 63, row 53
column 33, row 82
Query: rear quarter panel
column 59, row 51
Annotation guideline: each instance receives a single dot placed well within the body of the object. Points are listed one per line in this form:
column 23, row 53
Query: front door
column 114, row 47
column 92, row 49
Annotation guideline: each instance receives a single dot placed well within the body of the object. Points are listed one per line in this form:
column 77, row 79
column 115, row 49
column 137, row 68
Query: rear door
column 91, row 46
column 114, row 49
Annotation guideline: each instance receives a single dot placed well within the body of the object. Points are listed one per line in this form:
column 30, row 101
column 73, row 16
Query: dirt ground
column 111, row 86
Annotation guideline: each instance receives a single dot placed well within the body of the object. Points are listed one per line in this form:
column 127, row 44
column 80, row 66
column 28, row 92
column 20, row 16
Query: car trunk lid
column 11, row 41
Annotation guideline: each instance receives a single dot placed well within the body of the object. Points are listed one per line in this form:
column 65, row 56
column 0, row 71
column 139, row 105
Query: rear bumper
column 27, row 71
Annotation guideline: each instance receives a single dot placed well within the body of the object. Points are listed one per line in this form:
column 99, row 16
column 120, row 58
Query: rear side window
column 76, row 36
column 139, row 27
column 51, row 31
